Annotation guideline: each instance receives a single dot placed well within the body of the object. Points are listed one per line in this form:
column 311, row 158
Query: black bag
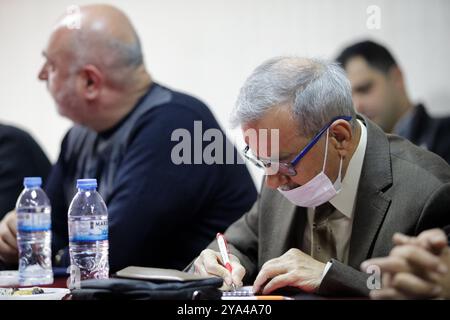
column 126, row 289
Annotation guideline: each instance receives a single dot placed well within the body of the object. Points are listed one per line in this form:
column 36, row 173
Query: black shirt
column 160, row 214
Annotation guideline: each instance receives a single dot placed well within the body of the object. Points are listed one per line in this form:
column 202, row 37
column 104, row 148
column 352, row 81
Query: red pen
column 223, row 248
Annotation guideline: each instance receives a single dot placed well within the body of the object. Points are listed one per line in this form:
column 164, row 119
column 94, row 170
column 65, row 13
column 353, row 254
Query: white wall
column 208, row 47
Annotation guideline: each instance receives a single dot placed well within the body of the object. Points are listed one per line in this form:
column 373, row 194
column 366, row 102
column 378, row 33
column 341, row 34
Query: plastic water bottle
column 34, row 234
column 88, row 233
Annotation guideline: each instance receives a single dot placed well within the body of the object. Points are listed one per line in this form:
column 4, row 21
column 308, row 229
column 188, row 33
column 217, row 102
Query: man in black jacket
column 379, row 92
column 20, row 156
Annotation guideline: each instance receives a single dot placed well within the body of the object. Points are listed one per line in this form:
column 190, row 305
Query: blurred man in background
column 379, row 92
column 20, row 156
column 123, row 138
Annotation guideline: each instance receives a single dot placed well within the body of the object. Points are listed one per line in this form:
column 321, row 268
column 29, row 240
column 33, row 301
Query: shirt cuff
column 325, row 270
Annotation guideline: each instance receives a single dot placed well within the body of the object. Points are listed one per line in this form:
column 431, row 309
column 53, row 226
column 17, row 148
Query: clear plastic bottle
column 33, row 211
column 88, row 233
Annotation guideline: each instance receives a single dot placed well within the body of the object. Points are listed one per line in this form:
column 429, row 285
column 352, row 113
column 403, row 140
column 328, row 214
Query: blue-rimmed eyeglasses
column 288, row 168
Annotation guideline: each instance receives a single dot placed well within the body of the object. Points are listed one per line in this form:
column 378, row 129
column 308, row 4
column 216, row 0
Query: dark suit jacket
column 423, row 130
column 402, row 188
column 20, row 156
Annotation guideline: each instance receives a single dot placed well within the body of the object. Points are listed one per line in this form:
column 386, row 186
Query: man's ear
column 396, row 76
column 341, row 136
column 92, row 81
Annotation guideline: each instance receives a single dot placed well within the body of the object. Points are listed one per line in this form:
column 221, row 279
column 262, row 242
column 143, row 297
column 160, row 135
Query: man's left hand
column 292, row 269
column 417, row 268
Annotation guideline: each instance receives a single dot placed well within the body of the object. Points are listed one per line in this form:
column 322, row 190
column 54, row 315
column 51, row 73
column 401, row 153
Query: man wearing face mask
column 337, row 187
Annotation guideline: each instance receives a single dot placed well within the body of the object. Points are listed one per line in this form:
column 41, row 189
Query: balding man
column 336, row 191
column 160, row 214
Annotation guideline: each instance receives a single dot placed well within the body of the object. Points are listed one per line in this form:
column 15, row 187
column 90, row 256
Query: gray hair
column 316, row 90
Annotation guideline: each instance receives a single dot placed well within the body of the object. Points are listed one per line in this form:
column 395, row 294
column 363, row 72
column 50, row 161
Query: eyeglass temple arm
column 317, row 137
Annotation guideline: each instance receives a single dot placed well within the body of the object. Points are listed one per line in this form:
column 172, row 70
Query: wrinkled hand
column 433, row 240
column 8, row 241
column 209, row 262
column 293, row 269
column 417, row 268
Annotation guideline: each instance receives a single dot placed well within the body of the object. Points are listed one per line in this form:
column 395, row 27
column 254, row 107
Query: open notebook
column 242, row 292
column 246, row 293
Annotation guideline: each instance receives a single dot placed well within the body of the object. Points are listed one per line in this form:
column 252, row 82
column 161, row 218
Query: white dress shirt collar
column 344, row 201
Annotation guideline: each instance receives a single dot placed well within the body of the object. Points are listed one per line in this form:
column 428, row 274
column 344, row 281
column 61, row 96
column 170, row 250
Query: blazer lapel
column 371, row 203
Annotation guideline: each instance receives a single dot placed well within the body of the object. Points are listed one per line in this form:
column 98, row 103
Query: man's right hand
column 8, row 239
column 209, row 263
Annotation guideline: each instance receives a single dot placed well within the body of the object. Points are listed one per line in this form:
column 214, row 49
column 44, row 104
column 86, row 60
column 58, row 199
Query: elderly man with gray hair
column 336, row 190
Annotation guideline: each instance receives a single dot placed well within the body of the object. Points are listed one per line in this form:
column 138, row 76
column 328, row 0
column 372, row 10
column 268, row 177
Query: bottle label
column 92, row 230
column 33, row 222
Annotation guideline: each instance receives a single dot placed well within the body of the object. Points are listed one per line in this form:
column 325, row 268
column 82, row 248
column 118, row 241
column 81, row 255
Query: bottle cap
column 30, row 182
column 86, row 184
